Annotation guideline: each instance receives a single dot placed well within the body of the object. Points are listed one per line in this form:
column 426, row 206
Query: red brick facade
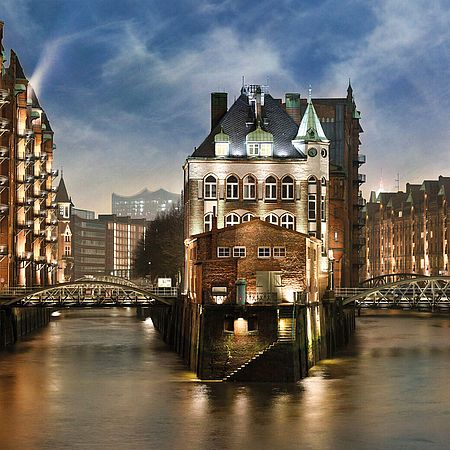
column 297, row 271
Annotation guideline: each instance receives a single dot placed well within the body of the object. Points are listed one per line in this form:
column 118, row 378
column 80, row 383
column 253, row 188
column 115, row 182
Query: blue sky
column 126, row 84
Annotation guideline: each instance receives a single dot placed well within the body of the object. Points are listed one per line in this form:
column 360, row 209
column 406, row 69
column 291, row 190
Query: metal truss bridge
column 422, row 293
column 88, row 292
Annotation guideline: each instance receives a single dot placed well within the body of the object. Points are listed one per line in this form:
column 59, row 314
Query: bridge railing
column 349, row 292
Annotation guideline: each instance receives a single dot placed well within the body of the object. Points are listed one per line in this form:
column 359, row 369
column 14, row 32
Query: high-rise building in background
column 293, row 163
column 27, row 196
column 144, row 204
column 408, row 232
column 90, row 246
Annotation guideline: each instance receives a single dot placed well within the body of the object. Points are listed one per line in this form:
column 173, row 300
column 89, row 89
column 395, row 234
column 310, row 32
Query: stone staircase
column 286, row 337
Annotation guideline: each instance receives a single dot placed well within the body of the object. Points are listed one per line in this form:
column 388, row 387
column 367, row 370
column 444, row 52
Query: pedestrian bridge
column 422, row 293
column 88, row 292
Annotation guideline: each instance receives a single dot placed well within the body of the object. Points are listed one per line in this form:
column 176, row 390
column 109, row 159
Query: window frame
column 272, row 215
column 222, row 252
column 232, row 215
column 263, row 248
column 238, row 249
column 291, row 224
column 277, row 249
column 247, row 186
column 232, row 188
column 289, row 187
column 205, row 217
column 210, row 188
column 270, row 187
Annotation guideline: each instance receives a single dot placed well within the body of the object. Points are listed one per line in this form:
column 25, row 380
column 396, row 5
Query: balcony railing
column 3, row 209
column 54, row 173
column 25, row 256
column 361, row 178
column 4, row 152
column 3, row 250
column 360, row 159
column 4, row 94
column 25, row 224
column 262, row 298
column 3, row 180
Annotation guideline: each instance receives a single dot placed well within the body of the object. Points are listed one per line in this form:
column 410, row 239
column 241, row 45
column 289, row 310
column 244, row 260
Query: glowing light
column 240, row 326
column 56, row 314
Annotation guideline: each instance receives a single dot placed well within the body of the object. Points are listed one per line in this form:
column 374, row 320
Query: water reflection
column 102, row 379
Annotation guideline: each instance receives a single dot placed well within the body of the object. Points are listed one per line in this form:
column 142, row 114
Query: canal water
column 100, row 379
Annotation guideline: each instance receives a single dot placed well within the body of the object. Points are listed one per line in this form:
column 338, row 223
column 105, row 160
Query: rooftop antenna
column 243, row 80
column 309, row 94
column 62, row 171
column 397, row 182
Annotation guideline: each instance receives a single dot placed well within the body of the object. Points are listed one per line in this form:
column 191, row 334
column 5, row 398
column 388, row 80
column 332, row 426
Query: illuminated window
column 287, row 188
column 210, row 187
column 272, row 218
column 247, row 217
column 239, row 252
column 222, row 148
column 232, row 187
column 279, row 252
column 223, row 252
column 208, row 221
column 271, row 188
column 232, row 219
column 288, row 221
column 312, row 199
column 265, row 149
column 323, row 210
column 249, row 188
column 263, row 252
column 253, row 149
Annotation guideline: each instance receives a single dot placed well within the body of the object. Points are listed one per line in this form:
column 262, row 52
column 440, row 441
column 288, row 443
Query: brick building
column 407, row 232
column 293, row 164
column 276, row 263
column 27, row 205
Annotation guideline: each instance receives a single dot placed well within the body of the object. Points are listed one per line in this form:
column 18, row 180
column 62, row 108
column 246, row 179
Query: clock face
column 323, row 152
column 312, row 152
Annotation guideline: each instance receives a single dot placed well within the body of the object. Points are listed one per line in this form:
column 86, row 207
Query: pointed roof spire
column 349, row 90
column 310, row 128
column 62, row 196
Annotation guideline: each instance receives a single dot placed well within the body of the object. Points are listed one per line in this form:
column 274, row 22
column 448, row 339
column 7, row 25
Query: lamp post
column 330, row 270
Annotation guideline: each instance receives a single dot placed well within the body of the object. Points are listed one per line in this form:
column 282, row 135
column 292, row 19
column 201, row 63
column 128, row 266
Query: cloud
column 394, row 71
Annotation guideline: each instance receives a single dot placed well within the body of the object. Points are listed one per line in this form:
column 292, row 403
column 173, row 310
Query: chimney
column 219, row 102
column 293, row 106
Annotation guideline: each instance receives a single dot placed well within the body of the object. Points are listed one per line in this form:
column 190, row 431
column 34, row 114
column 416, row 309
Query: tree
column 160, row 252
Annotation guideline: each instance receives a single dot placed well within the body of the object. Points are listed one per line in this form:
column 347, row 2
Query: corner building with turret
column 293, row 164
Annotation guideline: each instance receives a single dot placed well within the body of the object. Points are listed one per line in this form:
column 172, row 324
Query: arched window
column 247, row 217
column 210, row 187
column 271, row 188
column 288, row 221
column 208, row 221
column 232, row 219
column 232, row 187
column 249, row 188
column 272, row 218
column 287, row 188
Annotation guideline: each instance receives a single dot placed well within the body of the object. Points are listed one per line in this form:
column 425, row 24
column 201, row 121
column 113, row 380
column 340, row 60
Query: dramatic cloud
column 126, row 84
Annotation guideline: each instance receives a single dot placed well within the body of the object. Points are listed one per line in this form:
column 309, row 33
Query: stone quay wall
column 212, row 345
column 16, row 323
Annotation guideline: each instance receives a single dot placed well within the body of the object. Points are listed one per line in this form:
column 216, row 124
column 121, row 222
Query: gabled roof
column 19, row 70
column 240, row 120
column 444, row 186
column 310, row 128
column 62, row 196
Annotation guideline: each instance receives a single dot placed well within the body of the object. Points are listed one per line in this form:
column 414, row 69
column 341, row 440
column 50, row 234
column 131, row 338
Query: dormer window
column 222, row 144
column 259, row 143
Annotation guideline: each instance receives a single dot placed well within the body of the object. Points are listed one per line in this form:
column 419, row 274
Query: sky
column 126, row 84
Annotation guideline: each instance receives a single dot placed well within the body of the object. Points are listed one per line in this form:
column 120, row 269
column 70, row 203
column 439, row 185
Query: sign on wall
column 164, row 282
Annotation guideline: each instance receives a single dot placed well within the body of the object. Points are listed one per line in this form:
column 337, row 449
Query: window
column 239, row 252
column 279, row 252
column 287, row 188
column 263, row 252
column 253, row 149
column 223, row 252
column 232, row 187
column 247, row 217
column 323, row 211
column 272, row 218
column 210, row 187
column 222, row 148
column 312, row 207
column 287, row 221
column 66, row 238
column 249, row 188
column 271, row 188
column 208, row 221
column 66, row 250
column 312, row 199
column 232, row 219
column 265, row 149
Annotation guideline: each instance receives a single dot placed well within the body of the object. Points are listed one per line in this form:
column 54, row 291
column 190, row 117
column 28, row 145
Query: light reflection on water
column 101, row 379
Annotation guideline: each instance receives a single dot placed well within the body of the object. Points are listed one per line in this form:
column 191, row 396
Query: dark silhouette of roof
column 62, row 196
column 240, row 120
